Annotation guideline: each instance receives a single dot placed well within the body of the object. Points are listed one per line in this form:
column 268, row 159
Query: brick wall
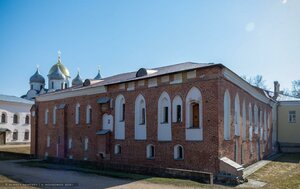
column 198, row 155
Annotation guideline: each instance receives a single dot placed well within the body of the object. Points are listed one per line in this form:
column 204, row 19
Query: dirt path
column 40, row 175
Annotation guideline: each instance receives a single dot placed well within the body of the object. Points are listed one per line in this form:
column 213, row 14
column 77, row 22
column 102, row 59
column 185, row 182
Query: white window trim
column 227, row 115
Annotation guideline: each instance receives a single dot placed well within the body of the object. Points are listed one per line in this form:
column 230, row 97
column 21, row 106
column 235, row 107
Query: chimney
column 276, row 89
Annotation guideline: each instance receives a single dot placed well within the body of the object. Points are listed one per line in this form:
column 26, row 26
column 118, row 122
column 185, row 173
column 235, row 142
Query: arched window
column 141, row 110
column 16, row 119
column 244, row 121
column 117, row 149
column 54, row 115
column 27, row 119
column 150, row 151
column 88, row 114
column 227, row 115
column 261, row 124
column 265, row 125
column 15, row 134
column 164, row 108
column 164, row 132
column 177, row 109
column 48, row 141
column 86, row 144
column 250, row 122
column 70, row 143
column 140, row 118
column 77, row 114
column 120, row 108
column 3, row 117
column 26, row 135
column 193, row 112
column 255, row 119
column 237, row 115
column 178, row 152
column 46, row 116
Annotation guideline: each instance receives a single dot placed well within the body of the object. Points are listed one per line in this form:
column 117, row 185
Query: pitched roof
column 131, row 76
column 8, row 98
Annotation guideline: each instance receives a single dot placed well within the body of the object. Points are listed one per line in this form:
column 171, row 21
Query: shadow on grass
column 13, row 156
column 117, row 174
column 289, row 158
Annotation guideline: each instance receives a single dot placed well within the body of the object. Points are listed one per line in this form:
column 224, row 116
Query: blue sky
column 248, row 36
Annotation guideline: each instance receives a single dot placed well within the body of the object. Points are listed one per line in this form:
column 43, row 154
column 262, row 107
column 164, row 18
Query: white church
column 58, row 79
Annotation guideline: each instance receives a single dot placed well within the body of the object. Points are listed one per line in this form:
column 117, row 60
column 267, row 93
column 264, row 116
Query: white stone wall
column 22, row 110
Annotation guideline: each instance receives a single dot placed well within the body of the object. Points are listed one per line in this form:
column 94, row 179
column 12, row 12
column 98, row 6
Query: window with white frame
column 77, row 114
column 54, row 115
column 165, row 111
column 141, row 111
column 117, row 149
column 292, row 116
column 244, row 121
column 194, row 109
column 120, row 108
column 88, row 114
column 237, row 115
column 46, row 116
column 150, row 151
column 48, row 141
column 227, row 115
column 178, row 152
column 70, row 143
column 15, row 119
column 86, row 144
column 3, row 117
column 250, row 122
column 27, row 119
column 26, row 134
column 15, row 134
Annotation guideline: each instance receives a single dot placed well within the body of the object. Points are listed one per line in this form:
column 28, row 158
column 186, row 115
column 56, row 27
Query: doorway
column 2, row 138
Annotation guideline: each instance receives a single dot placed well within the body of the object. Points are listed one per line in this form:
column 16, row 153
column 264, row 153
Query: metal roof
column 8, row 98
column 103, row 132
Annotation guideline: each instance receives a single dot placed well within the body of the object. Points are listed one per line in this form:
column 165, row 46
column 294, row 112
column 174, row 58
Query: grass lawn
column 16, row 149
column 281, row 173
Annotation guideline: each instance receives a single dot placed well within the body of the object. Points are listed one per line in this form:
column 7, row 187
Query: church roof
column 57, row 73
column 37, row 77
column 98, row 76
column 62, row 68
column 77, row 80
column 9, row 98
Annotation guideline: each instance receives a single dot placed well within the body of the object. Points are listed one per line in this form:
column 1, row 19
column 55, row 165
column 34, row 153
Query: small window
column 46, row 117
column 27, row 119
column 292, row 116
column 15, row 121
column 142, row 121
column 66, row 85
column 165, row 114
column 178, row 152
column 77, row 114
column 70, row 143
column 26, row 135
column 52, row 85
column 117, row 149
column 3, row 118
column 195, row 115
column 54, row 115
column 48, row 141
column 88, row 114
column 58, row 140
column 123, row 113
column 86, row 144
column 15, row 135
column 31, row 86
column 150, row 151
column 178, row 113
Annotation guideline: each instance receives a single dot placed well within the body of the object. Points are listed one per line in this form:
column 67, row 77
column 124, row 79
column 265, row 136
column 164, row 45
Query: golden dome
column 62, row 68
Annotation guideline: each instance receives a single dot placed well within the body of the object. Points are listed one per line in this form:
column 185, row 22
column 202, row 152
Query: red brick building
column 185, row 116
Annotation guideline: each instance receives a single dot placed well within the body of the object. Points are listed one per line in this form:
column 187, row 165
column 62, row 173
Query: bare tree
column 257, row 81
column 296, row 88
